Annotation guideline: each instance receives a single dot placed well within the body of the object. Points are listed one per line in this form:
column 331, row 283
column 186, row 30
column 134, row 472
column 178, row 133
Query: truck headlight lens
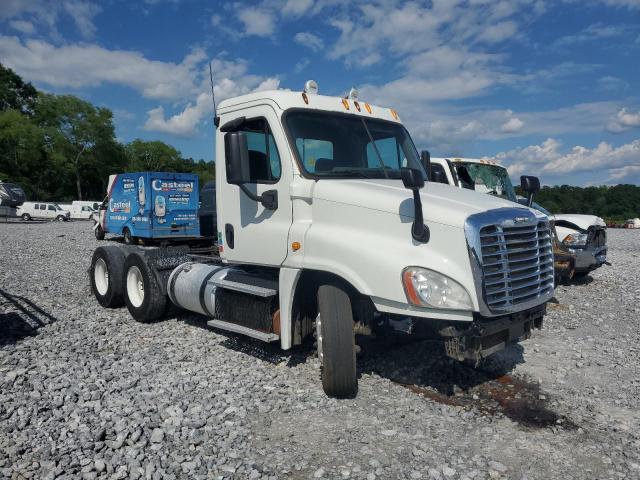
column 427, row 288
column 576, row 240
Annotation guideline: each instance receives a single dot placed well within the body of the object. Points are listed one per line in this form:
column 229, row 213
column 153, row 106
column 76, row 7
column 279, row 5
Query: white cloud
column 631, row 4
column 297, row 7
column 549, row 159
column 87, row 65
column 624, row 120
column 307, row 39
column 260, row 23
column 610, row 83
column 231, row 79
column 301, row 65
column 22, row 26
column 48, row 13
column 512, row 125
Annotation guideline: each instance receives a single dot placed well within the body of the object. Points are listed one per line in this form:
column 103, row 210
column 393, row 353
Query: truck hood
column 579, row 222
column 440, row 203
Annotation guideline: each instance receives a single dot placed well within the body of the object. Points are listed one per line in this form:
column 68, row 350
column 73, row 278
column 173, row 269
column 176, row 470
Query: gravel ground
column 89, row 393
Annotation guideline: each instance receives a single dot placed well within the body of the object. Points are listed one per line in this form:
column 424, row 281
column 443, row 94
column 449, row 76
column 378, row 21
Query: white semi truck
column 584, row 236
column 325, row 225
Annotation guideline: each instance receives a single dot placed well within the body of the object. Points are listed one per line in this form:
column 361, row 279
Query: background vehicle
column 632, row 223
column 150, row 205
column 93, row 204
column 51, row 211
column 582, row 235
column 324, row 226
column 78, row 212
column 11, row 197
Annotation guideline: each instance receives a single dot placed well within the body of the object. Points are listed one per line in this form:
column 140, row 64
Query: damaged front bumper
column 485, row 336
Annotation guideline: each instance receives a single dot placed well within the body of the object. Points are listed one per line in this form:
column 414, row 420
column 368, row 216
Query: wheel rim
column 101, row 276
column 319, row 337
column 135, row 286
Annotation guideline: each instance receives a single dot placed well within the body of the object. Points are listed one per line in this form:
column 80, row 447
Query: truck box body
column 153, row 205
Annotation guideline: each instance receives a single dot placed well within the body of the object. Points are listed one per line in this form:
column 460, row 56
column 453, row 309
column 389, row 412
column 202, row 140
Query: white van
column 92, row 204
column 52, row 211
column 78, row 212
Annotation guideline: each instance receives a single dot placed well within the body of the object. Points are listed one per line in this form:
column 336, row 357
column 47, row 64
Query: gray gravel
column 89, row 393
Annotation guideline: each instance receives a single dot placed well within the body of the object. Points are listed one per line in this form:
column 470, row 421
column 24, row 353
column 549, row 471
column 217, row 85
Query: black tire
column 153, row 302
column 336, row 342
column 26, row 217
column 60, row 218
column 579, row 275
column 99, row 233
column 113, row 261
column 128, row 239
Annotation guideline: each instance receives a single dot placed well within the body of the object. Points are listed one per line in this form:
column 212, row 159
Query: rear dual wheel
column 142, row 293
column 106, row 276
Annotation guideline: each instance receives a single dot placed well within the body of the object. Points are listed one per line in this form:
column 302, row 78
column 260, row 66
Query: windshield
column 333, row 145
column 485, row 178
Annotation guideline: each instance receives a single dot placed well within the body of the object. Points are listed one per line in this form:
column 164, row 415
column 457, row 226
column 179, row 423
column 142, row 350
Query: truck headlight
column 575, row 240
column 427, row 288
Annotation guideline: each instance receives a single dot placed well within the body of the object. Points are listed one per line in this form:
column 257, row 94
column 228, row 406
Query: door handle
column 228, row 235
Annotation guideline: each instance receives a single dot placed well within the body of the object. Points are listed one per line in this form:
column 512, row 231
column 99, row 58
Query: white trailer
column 324, row 222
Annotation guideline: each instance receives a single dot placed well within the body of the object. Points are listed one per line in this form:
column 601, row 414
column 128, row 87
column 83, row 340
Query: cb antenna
column 216, row 120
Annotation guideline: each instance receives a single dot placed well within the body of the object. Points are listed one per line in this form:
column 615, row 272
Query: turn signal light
column 295, row 246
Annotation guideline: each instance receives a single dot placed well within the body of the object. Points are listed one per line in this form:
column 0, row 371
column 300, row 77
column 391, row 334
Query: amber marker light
column 305, row 98
column 407, row 282
column 394, row 113
column 357, row 105
column 295, row 246
column 367, row 107
column 345, row 102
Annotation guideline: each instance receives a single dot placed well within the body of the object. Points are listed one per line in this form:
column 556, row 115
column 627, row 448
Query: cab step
column 250, row 332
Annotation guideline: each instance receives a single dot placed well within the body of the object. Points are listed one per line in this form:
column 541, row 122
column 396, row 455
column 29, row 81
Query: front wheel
column 60, row 218
column 99, row 233
column 26, row 217
column 142, row 293
column 128, row 238
column 336, row 343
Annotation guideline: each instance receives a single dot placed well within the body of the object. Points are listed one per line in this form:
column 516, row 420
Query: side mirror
column 530, row 185
column 412, row 178
column 425, row 159
column 236, row 152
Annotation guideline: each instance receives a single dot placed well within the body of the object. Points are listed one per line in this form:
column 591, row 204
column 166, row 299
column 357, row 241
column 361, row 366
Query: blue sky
column 547, row 87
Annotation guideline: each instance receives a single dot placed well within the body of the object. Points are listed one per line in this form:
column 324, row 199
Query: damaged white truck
column 584, row 236
column 326, row 224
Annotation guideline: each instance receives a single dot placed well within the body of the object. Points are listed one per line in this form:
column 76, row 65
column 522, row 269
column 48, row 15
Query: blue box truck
column 150, row 205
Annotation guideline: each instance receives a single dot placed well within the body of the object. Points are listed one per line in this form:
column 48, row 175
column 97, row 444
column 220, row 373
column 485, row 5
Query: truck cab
column 327, row 225
column 583, row 237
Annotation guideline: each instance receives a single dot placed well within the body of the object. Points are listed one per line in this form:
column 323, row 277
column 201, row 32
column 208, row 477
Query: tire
column 60, row 218
column 336, row 343
column 142, row 294
column 99, row 233
column 579, row 275
column 106, row 276
column 26, row 217
column 128, row 239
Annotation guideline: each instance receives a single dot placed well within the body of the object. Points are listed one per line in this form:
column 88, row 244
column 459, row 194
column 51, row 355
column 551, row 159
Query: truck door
column 249, row 232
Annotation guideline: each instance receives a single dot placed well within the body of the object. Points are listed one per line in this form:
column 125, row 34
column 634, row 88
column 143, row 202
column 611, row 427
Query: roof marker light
column 394, row 113
column 355, row 102
column 305, row 98
column 345, row 102
column 367, row 107
column 311, row 87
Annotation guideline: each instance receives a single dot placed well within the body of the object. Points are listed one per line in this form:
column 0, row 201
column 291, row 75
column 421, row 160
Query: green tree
column 15, row 93
column 154, row 156
column 77, row 129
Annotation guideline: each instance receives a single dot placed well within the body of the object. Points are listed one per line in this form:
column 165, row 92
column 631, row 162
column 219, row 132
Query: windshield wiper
column 347, row 172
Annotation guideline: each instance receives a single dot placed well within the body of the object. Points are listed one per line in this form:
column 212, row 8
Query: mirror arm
column 530, row 199
column 419, row 231
column 268, row 199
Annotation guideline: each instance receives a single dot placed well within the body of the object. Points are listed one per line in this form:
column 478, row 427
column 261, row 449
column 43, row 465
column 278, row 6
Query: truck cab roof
column 286, row 99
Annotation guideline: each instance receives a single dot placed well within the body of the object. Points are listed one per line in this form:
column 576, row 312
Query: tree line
column 61, row 148
column 613, row 203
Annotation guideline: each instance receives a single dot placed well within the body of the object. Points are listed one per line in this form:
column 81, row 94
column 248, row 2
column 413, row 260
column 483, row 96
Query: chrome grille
column 516, row 264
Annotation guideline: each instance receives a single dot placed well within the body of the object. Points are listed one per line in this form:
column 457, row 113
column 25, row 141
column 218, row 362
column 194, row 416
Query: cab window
column 264, row 160
column 52, row 208
column 314, row 153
